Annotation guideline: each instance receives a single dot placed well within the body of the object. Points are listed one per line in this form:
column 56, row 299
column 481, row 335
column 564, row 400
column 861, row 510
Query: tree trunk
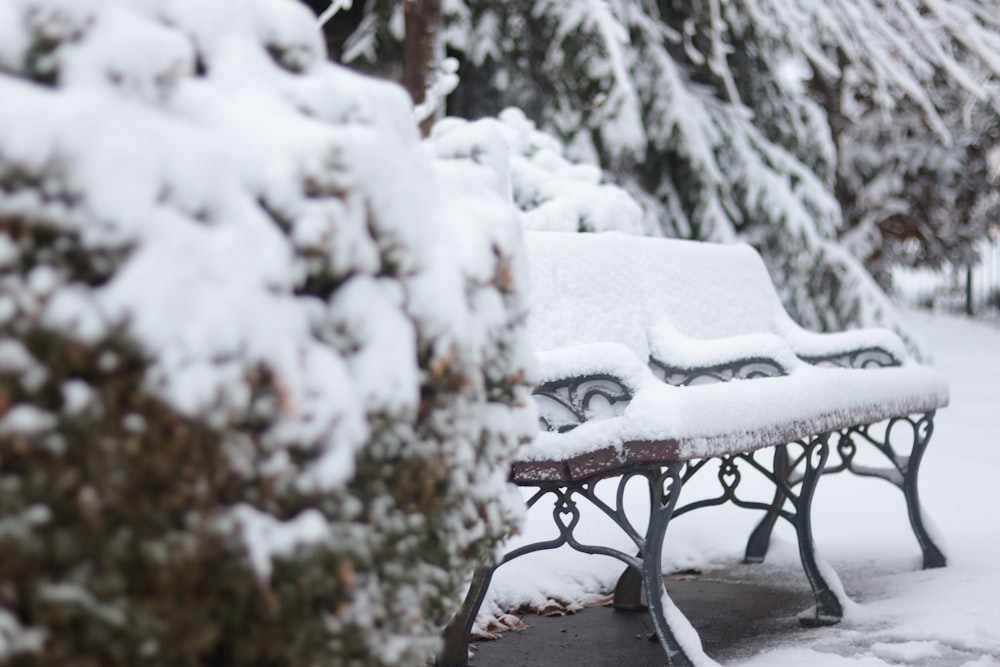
column 420, row 48
column 970, row 308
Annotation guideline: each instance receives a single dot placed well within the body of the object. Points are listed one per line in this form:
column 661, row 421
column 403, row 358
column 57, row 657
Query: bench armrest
column 858, row 348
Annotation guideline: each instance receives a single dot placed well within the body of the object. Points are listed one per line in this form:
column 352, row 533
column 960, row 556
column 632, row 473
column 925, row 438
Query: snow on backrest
column 610, row 287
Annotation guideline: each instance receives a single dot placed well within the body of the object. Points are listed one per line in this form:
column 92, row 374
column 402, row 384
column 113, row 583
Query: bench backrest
column 658, row 296
column 613, row 287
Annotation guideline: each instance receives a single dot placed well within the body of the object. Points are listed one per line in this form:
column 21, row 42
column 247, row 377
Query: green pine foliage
column 718, row 117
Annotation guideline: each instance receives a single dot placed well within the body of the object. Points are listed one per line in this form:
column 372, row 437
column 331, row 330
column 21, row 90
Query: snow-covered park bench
column 664, row 358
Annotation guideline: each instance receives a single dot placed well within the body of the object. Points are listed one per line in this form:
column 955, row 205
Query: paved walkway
column 735, row 617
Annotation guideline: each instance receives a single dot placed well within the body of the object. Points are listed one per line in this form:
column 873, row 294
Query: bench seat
column 661, row 422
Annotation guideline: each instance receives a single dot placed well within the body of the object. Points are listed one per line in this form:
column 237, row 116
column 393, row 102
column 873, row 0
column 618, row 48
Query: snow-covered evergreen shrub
column 555, row 193
column 262, row 365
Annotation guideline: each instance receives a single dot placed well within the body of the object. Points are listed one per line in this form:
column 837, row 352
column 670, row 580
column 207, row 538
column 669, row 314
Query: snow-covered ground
column 902, row 614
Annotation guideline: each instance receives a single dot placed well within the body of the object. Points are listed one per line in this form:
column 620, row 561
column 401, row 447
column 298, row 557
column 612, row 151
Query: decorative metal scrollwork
column 664, row 483
column 791, row 501
column 902, row 441
column 869, row 357
column 744, row 369
column 730, row 476
column 910, row 431
column 565, row 404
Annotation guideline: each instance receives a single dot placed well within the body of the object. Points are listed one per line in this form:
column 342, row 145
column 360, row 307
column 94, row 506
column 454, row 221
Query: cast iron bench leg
column 816, row 450
column 904, row 475
column 648, row 563
column 760, row 538
column 924, row 429
column 455, row 652
column 662, row 508
column 829, row 609
column 628, row 592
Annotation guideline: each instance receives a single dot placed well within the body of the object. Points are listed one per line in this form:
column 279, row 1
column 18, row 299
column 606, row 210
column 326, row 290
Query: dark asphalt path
column 735, row 617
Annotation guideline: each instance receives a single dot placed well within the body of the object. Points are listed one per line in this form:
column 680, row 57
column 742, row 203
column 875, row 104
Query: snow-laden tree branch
column 335, row 7
column 443, row 83
column 760, row 120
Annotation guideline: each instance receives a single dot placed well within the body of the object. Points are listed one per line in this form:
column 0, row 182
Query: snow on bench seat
column 626, row 308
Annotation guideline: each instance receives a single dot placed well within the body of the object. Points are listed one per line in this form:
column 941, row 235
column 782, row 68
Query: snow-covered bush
column 262, row 364
column 558, row 194
column 552, row 192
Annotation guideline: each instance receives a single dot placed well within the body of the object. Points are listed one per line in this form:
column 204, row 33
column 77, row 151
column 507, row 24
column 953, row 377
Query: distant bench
column 660, row 357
